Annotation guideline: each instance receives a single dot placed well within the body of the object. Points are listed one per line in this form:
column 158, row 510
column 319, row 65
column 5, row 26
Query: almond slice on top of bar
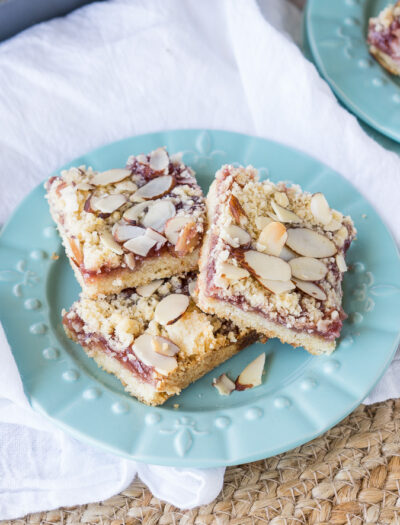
column 126, row 227
column 273, row 259
column 153, row 337
column 384, row 38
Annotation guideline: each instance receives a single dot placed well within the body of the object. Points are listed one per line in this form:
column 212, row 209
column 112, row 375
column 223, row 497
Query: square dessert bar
column 153, row 337
column 126, row 227
column 384, row 38
column 273, row 259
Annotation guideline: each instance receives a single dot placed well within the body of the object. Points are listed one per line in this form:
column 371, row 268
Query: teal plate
column 383, row 140
column 301, row 395
column 337, row 32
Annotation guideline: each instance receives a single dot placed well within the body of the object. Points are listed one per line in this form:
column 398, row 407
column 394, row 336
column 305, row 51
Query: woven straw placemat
column 349, row 475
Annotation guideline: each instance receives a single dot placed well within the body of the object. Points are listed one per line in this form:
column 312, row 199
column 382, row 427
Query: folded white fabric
column 120, row 68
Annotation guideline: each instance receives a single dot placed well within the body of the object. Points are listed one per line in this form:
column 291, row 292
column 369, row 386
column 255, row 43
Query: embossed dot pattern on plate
column 254, row 413
column 38, row 255
column 152, row 419
column 120, row 408
column 32, row 304
column 308, row 383
column 70, row 376
column 331, row 366
column 222, row 422
column 51, row 353
column 91, row 393
column 38, row 328
column 282, row 402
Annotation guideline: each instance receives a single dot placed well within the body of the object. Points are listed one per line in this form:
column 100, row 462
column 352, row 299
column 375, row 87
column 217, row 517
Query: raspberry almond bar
column 153, row 337
column 273, row 259
column 126, row 227
column 384, row 38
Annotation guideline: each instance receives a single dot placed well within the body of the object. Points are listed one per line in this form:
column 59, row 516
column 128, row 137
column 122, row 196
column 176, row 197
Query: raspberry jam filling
column 95, row 341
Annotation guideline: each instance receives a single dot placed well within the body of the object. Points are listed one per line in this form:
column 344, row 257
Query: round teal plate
column 301, row 395
column 337, row 32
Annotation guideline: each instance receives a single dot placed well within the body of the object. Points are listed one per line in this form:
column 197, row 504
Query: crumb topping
column 121, row 318
column 293, row 308
column 93, row 216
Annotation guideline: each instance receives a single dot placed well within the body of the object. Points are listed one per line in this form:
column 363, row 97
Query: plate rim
column 243, row 458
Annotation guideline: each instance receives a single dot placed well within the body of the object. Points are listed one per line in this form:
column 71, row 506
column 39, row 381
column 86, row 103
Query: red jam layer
column 95, row 341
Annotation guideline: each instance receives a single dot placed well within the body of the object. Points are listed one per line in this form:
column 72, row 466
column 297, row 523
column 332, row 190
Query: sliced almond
column 320, row 208
column 110, row 177
column 129, row 259
column 159, row 159
column 108, row 241
column 176, row 158
column 281, row 198
column 236, row 236
column 109, row 203
column 84, row 186
column 173, row 227
column 124, row 232
column 140, row 245
column 310, row 243
column 160, row 239
column 156, row 187
column 192, row 287
column 76, row 251
column 136, row 212
column 224, row 385
column 127, row 185
column 310, row 289
column 164, row 346
column 188, row 239
column 277, row 287
column 341, row 263
column 171, row 308
column 287, row 254
column 333, row 226
column 283, row 214
column 262, row 221
column 144, row 351
column 267, row 266
column 159, row 213
column 142, row 158
column 232, row 272
column 146, row 290
column 272, row 238
column 308, row 268
column 251, row 376
column 236, row 210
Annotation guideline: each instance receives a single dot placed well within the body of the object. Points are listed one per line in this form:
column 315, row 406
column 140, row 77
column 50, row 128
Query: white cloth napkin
column 120, row 68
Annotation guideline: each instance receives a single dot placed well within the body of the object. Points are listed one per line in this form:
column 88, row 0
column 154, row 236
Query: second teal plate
column 337, row 32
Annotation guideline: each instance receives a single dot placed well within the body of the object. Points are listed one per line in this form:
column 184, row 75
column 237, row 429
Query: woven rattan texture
column 349, row 475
